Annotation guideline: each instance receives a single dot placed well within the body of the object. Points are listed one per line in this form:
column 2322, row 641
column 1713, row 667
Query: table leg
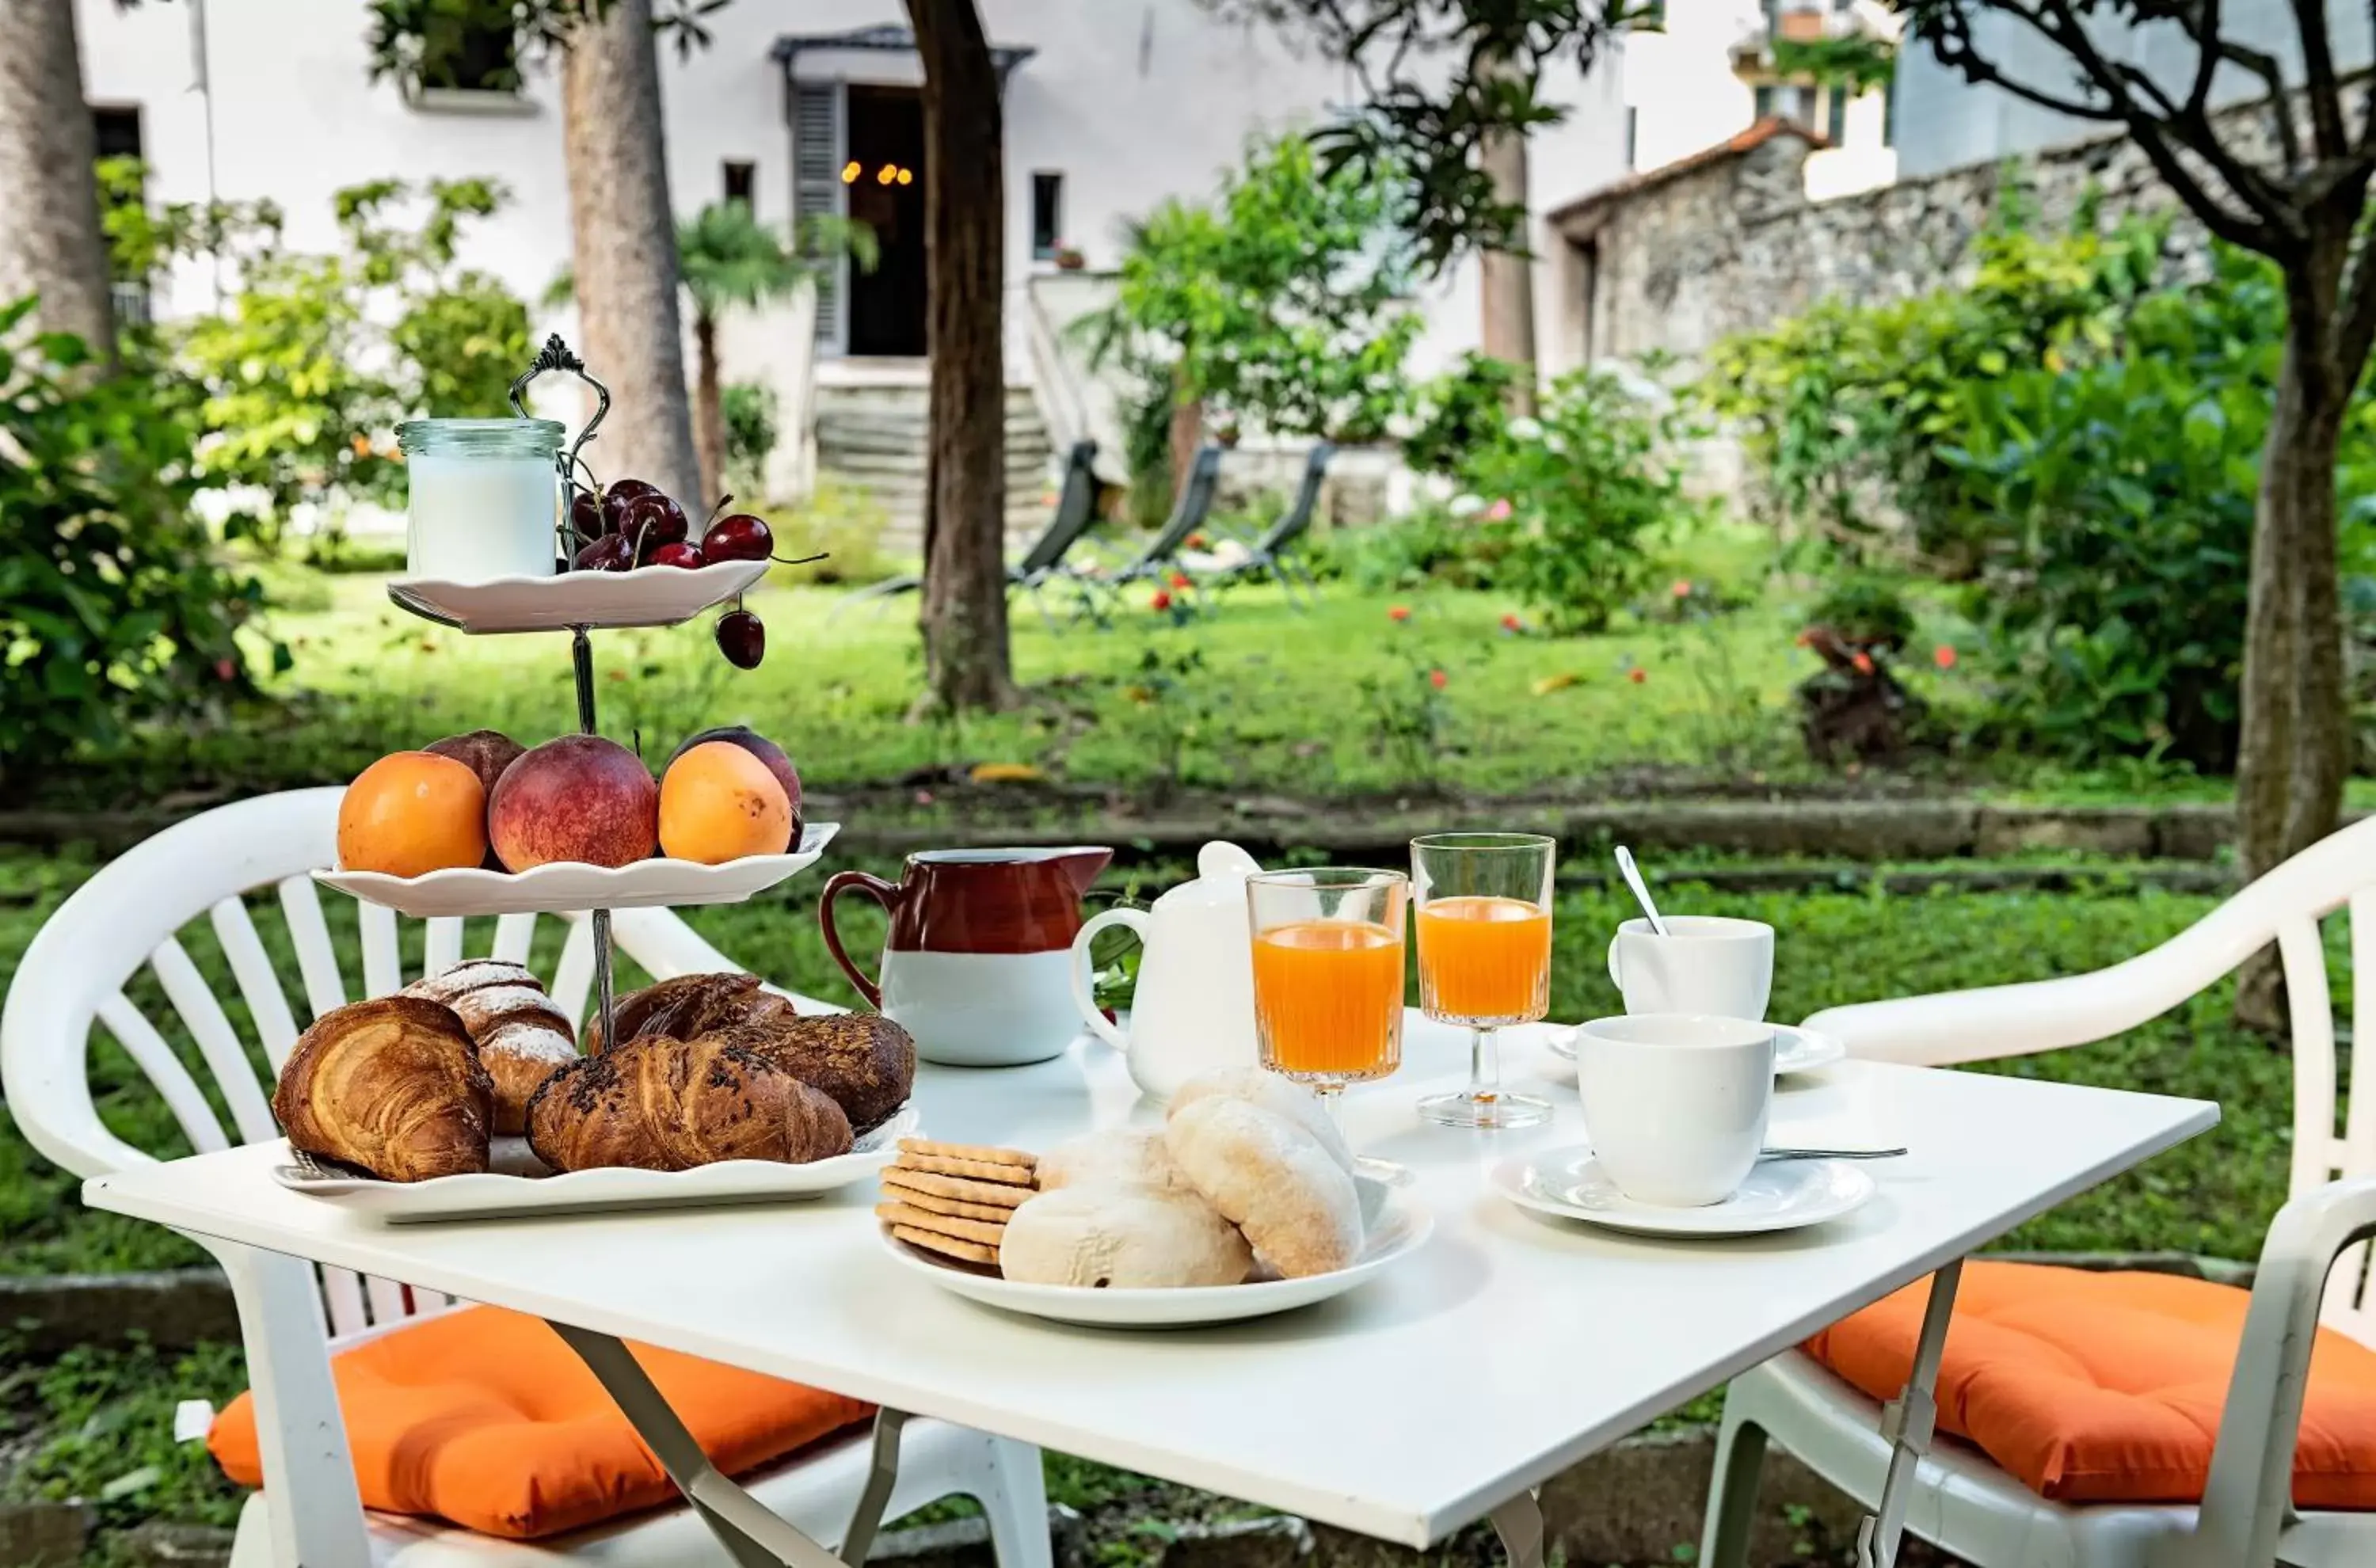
column 1908, row 1422
column 752, row 1536
column 1519, row 1523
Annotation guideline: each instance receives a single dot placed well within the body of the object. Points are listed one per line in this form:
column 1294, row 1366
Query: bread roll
column 1121, row 1236
column 690, row 1005
column 865, row 1062
column 392, row 1086
column 660, row 1104
column 1278, row 1096
column 522, row 1035
column 1272, row 1178
column 1128, row 1155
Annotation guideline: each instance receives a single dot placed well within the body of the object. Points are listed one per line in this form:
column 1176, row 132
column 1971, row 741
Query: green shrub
column 1453, row 414
column 1429, row 545
column 1867, row 611
column 113, row 609
column 1574, row 500
column 751, row 414
column 843, row 523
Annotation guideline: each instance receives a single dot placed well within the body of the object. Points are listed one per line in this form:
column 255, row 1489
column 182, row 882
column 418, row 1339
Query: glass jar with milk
column 484, row 497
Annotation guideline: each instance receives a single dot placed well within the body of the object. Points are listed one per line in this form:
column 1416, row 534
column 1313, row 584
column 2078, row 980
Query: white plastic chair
column 291, row 1315
column 1962, row 1501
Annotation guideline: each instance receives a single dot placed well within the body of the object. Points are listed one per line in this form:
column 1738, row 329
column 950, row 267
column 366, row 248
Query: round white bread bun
column 1272, row 1178
column 1123, row 1236
column 1130, row 1155
column 1280, row 1096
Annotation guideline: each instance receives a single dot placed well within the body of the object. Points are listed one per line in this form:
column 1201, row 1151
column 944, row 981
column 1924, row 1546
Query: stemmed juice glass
column 1484, row 958
column 1328, row 975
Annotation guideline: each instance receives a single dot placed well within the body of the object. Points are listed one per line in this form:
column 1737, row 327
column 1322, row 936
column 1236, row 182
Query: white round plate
column 1401, row 1228
column 566, row 887
column 1795, row 1049
column 1778, row 1195
column 518, row 1187
column 648, row 596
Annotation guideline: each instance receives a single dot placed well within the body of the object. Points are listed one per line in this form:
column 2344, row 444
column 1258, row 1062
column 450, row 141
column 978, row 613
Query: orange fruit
column 719, row 803
column 412, row 812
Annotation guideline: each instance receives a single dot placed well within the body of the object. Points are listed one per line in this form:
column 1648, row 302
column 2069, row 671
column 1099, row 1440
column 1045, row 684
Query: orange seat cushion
column 2098, row 1388
column 485, row 1418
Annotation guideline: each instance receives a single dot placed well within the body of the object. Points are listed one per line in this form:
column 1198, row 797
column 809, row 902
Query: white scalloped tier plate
column 519, row 1188
column 568, row 886
column 648, row 596
column 1401, row 1228
column 1795, row 1049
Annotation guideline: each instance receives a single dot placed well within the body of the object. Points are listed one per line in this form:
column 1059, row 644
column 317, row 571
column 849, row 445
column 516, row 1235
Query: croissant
column 661, row 1104
column 393, row 1086
column 522, row 1036
column 865, row 1062
column 689, row 1005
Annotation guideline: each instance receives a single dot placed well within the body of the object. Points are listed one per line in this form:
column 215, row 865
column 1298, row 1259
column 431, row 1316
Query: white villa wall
column 1132, row 100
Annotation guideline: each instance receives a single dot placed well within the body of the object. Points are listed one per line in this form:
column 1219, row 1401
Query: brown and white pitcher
column 978, row 963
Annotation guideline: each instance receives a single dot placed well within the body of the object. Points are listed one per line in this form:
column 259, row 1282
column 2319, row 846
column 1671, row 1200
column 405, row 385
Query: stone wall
column 1732, row 246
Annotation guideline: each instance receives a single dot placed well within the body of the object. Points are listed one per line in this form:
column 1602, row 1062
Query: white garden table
column 1503, row 1351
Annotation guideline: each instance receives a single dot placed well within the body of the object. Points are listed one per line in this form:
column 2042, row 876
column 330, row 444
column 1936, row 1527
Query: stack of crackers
column 955, row 1199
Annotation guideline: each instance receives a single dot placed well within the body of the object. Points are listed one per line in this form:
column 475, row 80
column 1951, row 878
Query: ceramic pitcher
column 1194, row 1007
column 977, row 963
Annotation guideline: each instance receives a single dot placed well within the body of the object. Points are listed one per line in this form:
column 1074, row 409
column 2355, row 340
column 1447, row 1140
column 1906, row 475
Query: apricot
column 411, row 814
column 577, row 798
column 719, row 802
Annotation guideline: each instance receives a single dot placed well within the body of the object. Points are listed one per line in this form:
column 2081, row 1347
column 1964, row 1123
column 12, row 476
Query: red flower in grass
column 226, row 670
column 1180, row 580
column 1511, row 623
column 1398, row 613
column 1863, row 662
column 1437, row 678
column 1637, row 675
column 1197, row 541
column 1681, row 588
column 1944, row 657
column 1161, row 601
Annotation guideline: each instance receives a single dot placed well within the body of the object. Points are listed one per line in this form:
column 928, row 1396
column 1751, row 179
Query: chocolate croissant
column 393, row 1086
column 865, row 1062
column 661, row 1104
column 522, row 1035
column 690, row 1005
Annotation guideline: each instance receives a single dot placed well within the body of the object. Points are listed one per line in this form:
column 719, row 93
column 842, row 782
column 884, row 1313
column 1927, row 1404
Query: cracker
column 947, row 1246
column 987, row 1233
column 976, row 1170
column 981, row 1153
column 955, row 1208
column 991, row 1194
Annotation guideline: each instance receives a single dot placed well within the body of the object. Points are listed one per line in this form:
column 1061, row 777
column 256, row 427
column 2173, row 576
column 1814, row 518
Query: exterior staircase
column 871, row 435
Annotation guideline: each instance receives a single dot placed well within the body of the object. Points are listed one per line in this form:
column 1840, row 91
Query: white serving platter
column 1401, row 1227
column 1795, row 1049
column 518, row 1187
column 648, row 596
column 568, row 886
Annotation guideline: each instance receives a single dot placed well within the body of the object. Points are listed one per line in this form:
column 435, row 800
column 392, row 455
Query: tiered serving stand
column 579, row 603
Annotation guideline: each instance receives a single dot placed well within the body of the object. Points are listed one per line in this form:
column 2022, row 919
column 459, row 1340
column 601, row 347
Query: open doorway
column 886, row 179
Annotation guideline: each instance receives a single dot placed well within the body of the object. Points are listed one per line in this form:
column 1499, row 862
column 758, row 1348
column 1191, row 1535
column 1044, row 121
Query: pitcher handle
column 1085, row 995
column 884, row 893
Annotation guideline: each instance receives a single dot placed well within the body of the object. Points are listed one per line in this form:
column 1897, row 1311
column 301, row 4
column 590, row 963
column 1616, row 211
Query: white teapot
column 1194, row 1007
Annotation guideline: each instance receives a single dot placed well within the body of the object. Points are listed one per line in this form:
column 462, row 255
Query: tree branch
column 2327, row 132
column 2357, row 329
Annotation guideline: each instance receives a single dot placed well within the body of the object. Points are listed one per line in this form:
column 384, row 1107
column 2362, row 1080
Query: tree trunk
column 1187, row 434
column 709, row 410
column 50, row 241
column 624, row 233
column 2295, row 750
column 1507, row 279
column 964, row 602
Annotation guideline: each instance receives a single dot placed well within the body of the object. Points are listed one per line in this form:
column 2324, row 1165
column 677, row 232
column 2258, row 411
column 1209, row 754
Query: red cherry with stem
column 617, row 496
column 676, row 553
column 655, row 519
column 612, row 552
column 740, row 537
column 741, row 639
column 586, row 524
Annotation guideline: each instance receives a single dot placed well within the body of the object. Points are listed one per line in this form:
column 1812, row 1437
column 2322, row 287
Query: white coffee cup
column 1707, row 964
column 1676, row 1103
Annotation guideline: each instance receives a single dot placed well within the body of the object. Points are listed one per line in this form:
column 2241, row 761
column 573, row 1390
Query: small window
column 467, row 54
column 1632, row 133
column 1047, row 215
column 117, row 132
column 1765, row 100
column 1836, row 120
column 1889, row 112
column 739, row 177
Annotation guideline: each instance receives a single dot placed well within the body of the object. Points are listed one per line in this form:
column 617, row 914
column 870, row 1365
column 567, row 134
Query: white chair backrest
column 132, row 912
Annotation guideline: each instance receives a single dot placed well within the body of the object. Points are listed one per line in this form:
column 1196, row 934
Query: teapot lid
column 1222, row 869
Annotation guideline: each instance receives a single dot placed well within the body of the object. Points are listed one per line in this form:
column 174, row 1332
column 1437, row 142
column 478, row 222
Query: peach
column 766, row 750
column 484, row 752
column 719, row 802
column 411, row 814
column 576, row 798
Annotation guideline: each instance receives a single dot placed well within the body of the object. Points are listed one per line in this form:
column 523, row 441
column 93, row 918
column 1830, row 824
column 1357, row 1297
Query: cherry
column 676, row 553
column 617, row 496
column 654, row 520
column 741, row 639
column 739, row 537
column 585, row 523
column 612, row 552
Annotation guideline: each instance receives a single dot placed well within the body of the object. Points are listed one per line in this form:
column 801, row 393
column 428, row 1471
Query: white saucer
column 1795, row 1049
column 1778, row 1195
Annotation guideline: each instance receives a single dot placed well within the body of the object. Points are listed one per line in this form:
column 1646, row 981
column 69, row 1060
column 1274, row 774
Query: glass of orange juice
column 1329, row 974
column 1484, row 958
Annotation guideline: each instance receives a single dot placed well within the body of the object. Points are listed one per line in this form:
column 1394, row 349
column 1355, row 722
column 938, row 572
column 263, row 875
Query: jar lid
column 495, row 437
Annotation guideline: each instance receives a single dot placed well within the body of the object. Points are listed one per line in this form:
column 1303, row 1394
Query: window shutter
column 817, row 193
